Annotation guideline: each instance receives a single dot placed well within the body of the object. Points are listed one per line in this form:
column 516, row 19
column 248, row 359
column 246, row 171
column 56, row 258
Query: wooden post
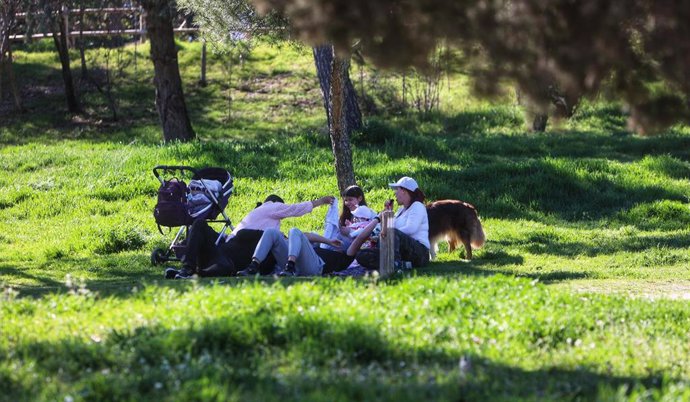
column 202, row 80
column 387, row 245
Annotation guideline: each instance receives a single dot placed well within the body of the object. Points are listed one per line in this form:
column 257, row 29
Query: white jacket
column 414, row 222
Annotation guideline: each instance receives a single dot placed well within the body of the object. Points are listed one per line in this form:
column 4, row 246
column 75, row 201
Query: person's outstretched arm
column 327, row 199
column 280, row 210
column 362, row 237
column 317, row 238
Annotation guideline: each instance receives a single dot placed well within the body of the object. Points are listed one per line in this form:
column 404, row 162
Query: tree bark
column 12, row 81
column 539, row 122
column 323, row 59
column 339, row 130
column 60, row 40
column 170, row 103
column 82, row 53
column 7, row 22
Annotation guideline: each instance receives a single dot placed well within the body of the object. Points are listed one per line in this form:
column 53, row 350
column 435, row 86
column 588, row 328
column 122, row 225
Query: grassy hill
column 578, row 294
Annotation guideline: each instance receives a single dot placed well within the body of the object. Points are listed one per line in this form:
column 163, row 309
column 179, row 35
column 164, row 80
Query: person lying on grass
column 301, row 257
column 204, row 258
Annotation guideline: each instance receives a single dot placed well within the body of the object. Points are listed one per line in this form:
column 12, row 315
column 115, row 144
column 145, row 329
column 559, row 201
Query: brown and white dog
column 455, row 221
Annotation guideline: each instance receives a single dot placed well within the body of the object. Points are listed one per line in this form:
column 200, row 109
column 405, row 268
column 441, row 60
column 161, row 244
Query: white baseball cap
column 364, row 212
column 406, row 183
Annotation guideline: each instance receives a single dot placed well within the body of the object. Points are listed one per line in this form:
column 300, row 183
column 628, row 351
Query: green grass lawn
column 580, row 292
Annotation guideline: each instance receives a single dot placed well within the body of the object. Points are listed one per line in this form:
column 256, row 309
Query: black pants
column 240, row 250
column 203, row 257
column 405, row 249
column 201, row 251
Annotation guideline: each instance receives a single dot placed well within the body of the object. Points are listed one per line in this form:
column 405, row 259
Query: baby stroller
column 179, row 204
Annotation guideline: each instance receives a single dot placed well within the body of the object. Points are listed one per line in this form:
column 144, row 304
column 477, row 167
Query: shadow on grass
column 302, row 358
column 7, row 271
column 488, row 267
column 566, row 175
column 540, row 189
column 539, row 244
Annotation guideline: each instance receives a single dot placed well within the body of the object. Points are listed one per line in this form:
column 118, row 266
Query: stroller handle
column 171, row 168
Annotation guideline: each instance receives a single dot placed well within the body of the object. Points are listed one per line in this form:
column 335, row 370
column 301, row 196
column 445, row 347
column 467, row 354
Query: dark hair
column 352, row 191
column 417, row 195
column 271, row 198
column 274, row 198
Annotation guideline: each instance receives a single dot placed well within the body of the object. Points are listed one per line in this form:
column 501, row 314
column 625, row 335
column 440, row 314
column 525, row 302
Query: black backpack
column 171, row 208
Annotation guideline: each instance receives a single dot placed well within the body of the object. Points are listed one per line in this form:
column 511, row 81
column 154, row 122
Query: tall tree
column 220, row 18
column 575, row 45
column 170, row 103
column 323, row 59
column 339, row 129
column 7, row 22
column 342, row 110
column 54, row 14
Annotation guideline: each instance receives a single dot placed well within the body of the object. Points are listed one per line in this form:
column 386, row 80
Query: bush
column 120, row 239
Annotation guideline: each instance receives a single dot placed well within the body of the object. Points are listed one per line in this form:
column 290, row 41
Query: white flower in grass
column 465, row 366
column 9, row 293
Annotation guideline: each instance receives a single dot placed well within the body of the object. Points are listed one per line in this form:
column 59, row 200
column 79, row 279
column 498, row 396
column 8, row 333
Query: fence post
column 387, row 245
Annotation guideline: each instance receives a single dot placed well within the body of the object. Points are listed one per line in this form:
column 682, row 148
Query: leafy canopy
column 575, row 45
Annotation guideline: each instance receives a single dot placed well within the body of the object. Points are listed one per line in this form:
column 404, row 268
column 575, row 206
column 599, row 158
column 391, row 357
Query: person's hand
column 326, row 199
column 337, row 243
column 388, row 205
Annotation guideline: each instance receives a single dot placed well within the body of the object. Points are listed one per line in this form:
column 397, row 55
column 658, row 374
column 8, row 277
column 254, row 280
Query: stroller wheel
column 158, row 256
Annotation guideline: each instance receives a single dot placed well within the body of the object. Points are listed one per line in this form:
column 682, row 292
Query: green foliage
column 571, row 298
column 122, row 238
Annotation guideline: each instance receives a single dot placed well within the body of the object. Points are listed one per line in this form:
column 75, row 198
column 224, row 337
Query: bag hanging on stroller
column 180, row 205
column 171, row 210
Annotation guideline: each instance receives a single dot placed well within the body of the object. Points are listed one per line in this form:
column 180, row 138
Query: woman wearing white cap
column 411, row 228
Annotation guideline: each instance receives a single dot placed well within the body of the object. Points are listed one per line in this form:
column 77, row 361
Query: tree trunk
column 170, row 102
column 323, row 58
column 3, row 42
column 60, row 40
column 339, row 130
column 12, row 81
column 7, row 22
column 539, row 122
column 82, row 53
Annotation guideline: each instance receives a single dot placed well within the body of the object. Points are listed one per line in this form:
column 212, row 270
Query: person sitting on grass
column 411, row 229
column 204, row 258
column 353, row 216
column 302, row 258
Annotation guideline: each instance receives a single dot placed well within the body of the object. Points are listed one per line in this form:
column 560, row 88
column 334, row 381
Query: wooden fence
column 136, row 14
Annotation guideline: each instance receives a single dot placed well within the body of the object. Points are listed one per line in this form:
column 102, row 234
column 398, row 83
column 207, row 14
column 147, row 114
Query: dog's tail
column 477, row 237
